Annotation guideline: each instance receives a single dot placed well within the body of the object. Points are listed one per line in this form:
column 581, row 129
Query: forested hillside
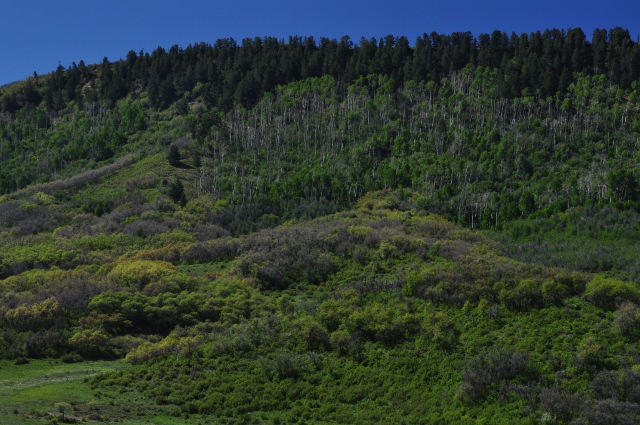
column 88, row 113
column 327, row 232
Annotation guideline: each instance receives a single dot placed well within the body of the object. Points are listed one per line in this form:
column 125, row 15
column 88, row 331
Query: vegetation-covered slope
column 473, row 122
column 380, row 313
column 253, row 230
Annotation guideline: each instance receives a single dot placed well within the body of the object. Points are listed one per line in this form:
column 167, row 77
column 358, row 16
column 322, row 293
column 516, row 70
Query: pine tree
column 176, row 192
column 173, row 156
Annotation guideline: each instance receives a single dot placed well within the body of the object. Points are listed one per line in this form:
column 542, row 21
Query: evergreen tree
column 176, row 192
column 173, row 156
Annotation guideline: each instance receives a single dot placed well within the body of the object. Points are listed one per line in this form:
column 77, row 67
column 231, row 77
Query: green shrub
column 483, row 372
column 21, row 361
column 628, row 319
column 593, row 354
column 332, row 313
column 313, row 334
column 386, row 325
column 443, row 330
column 554, row 292
column 414, row 281
column 71, row 358
column 606, row 292
column 524, row 295
column 346, row 344
column 138, row 273
column 173, row 156
column 91, row 343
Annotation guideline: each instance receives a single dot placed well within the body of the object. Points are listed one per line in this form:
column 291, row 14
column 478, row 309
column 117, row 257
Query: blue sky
column 36, row 35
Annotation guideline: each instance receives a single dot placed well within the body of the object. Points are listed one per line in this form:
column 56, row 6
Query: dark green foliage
column 532, row 68
column 202, row 259
column 511, row 165
column 173, row 155
column 97, row 206
column 540, row 62
column 482, row 374
column 21, row 361
column 595, row 239
column 176, row 192
column 71, row 358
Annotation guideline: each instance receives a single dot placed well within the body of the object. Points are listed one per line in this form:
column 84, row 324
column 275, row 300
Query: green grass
column 28, row 394
column 32, row 389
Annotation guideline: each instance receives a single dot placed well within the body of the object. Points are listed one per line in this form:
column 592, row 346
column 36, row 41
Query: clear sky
column 36, row 35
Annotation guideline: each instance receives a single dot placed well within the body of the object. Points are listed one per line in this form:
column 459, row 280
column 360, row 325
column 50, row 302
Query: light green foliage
column 91, row 343
column 138, row 273
column 332, row 313
column 45, row 250
column 172, row 345
column 388, row 325
column 360, row 232
column 522, row 295
column 34, row 317
column 443, row 329
column 606, row 292
column 34, row 279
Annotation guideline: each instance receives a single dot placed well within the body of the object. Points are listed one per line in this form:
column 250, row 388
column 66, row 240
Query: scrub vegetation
column 329, row 232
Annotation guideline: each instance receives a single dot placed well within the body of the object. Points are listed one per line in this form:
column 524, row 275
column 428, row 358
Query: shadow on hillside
column 183, row 166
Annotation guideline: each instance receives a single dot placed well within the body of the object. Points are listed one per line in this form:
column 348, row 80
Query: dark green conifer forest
column 326, row 231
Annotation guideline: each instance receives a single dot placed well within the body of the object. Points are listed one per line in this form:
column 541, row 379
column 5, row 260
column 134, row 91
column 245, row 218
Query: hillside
column 326, row 232
column 377, row 313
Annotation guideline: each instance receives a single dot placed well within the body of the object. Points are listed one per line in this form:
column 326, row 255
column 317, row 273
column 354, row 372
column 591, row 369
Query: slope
column 380, row 313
